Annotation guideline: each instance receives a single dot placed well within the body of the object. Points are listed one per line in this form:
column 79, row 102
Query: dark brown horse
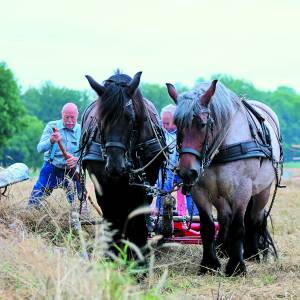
column 229, row 153
column 122, row 139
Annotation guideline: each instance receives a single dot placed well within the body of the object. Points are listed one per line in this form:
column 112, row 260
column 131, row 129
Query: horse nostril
column 194, row 174
column 188, row 176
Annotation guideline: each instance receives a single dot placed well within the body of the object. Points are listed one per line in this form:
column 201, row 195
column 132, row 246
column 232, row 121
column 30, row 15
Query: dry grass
column 269, row 280
column 40, row 259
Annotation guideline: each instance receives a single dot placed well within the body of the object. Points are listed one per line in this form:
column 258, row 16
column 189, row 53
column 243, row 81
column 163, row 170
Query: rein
column 162, row 148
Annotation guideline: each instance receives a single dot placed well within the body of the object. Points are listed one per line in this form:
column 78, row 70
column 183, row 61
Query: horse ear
column 172, row 92
column 134, row 83
column 206, row 97
column 98, row 88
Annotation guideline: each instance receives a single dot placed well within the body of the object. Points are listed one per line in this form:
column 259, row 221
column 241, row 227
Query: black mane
column 113, row 101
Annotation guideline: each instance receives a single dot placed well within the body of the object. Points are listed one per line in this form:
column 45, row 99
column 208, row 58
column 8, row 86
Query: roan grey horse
column 230, row 152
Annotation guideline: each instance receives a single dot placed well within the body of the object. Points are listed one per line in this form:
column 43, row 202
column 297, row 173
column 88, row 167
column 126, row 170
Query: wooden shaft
column 65, row 154
column 76, row 175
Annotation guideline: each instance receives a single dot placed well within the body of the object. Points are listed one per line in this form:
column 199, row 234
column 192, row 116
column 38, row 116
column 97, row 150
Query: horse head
column 194, row 123
column 117, row 120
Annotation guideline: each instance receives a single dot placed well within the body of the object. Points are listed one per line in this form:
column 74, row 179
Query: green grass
column 268, row 279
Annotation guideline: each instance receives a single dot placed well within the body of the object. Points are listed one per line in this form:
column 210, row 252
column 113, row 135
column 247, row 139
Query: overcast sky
column 169, row 40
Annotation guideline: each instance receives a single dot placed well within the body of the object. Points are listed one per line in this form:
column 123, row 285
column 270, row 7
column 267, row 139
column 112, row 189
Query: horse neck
column 230, row 128
column 89, row 115
column 238, row 129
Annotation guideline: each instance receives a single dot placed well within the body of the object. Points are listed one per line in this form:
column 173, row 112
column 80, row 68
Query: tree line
column 23, row 115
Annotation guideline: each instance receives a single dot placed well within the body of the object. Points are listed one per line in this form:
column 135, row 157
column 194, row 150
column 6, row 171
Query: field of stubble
column 41, row 258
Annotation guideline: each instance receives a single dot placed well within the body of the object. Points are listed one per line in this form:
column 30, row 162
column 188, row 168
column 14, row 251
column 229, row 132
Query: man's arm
column 44, row 143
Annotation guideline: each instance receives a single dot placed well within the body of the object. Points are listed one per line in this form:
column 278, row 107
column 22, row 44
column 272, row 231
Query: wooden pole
column 76, row 175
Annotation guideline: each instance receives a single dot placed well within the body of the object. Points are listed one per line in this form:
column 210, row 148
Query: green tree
column 159, row 95
column 241, row 87
column 11, row 108
column 284, row 101
column 22, row 146
column 47, row 101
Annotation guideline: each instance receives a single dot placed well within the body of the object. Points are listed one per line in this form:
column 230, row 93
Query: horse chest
column 227, row 180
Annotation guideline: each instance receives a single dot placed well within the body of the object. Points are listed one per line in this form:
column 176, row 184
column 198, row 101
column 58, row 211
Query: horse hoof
column 235, row 268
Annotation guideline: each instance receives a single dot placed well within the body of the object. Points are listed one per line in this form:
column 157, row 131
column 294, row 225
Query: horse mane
column 112, row 103
column 223, row 105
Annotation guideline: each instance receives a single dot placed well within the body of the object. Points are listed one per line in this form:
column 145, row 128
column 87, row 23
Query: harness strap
column 249, row 107
column 191, row 151
column 233, row 152
column 116, row 145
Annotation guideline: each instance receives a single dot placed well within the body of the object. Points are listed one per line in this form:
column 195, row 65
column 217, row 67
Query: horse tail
column 265, row 241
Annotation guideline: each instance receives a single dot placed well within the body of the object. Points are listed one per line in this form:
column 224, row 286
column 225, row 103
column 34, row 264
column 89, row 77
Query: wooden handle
column 76, row 175
column 65, row 154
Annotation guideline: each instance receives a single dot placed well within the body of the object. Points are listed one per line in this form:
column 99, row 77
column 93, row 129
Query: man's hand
column 71, row 161
column 55, row 137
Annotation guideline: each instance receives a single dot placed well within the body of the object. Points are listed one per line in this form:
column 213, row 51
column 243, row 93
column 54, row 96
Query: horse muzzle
column 189, row 176
column 116, row 171
column 185, row 189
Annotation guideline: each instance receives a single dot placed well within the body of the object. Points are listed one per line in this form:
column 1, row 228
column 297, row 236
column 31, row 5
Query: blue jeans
column 50, row 178
column 168, row 187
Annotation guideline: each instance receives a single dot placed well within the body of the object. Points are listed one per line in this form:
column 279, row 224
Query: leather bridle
column 128, row 146
column 202, row 154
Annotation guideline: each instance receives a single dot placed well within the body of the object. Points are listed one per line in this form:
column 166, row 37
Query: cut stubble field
column 40, row 258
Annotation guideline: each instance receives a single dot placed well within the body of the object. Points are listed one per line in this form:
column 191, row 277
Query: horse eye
column 201, row 125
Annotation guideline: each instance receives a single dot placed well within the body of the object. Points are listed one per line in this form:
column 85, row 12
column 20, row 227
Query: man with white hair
column 167, row 118
column 56, row 170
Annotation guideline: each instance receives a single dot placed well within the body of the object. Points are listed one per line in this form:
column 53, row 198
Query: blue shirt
column 70, row 141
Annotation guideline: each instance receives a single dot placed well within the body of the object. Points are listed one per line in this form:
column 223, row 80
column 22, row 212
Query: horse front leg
column 209, row 261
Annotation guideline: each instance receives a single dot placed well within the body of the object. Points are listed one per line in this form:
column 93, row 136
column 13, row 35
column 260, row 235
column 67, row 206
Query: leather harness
column 260, row 147
column 93, row 148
